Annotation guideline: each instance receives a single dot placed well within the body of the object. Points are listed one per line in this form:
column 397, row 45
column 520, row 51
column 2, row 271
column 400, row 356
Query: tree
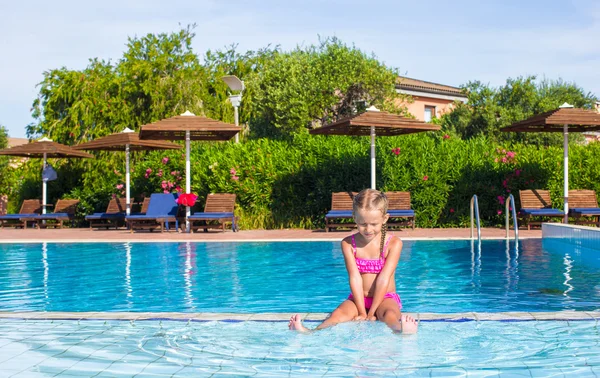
column 489, row 109
column 312, row 86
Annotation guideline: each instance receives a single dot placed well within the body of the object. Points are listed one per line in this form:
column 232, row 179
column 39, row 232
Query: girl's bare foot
column 409, row 324
column 295, row 324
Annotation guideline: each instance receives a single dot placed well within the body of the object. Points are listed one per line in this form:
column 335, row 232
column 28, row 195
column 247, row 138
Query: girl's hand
column 371, row 318
column 360, row 317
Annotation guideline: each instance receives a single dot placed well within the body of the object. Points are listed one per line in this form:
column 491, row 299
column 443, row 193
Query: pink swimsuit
column 373, row 267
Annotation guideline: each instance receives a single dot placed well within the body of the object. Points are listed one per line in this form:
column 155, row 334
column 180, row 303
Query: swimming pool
column 432, row 276
column 62, row 280
column 180, row 349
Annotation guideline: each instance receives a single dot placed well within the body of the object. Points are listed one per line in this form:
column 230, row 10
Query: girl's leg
column 344, row 313
column 389, row 313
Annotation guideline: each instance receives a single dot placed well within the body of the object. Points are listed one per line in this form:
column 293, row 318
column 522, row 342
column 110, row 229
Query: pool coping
column 567, row 315
column 21, row 241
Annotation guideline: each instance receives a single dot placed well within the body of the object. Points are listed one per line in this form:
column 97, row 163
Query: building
column 12, row 142
column 430, row 100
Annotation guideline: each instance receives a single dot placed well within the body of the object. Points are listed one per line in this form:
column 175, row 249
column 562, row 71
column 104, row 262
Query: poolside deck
column 85, row 234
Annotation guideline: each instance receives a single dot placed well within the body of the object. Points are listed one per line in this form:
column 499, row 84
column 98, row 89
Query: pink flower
column 499, row 212
column 170, row 184
column 446, row 136
column 119, row 186
column 235, row 178
column 178, row 189
column 114, row 196
column 517, row 172
column 495, row 160
column 451, row 210
column 396, row 151
column 163, row 184
column 510, row 154
column 146, row 175
column 173, row 173
column 425, row 178
column 165, row 160
column 505, row 183
column 232, row 171
column 148, row 171
column 166, row 191
column 504, row 159
column 501, row 200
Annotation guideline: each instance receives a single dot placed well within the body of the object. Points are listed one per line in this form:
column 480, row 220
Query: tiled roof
column 407, row 83
column 17, row 141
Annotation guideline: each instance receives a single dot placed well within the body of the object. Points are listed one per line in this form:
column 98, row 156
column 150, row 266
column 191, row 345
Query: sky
column 447, row 42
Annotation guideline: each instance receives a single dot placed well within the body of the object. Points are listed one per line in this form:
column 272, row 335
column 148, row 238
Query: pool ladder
column 510, row 205
column 475, row 210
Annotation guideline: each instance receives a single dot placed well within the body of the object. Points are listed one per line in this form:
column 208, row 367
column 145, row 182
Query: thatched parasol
column 565, row 119
column 44, row 148
column 189, row 126
column 127, row 140
column 374, row 122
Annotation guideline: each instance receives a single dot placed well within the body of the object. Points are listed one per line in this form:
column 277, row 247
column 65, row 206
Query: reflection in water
column 476, row 263
column 187, row 274
column 46, row 270
column 128, row 287
column 568, row 266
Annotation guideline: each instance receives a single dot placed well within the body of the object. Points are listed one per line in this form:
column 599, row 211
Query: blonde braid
column 383, row 235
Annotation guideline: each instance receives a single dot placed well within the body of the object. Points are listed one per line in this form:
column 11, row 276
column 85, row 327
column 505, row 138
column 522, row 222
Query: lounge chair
column 219, row 207
column 162, row 209
column 28, row 208
column 341, row 208
column 537, row 203
column 114, row 216
column 399, row 210
column 583, row 204
column 63, row 211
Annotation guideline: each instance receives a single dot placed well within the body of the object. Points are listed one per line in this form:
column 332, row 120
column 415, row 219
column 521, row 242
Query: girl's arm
column 355, row 279
column 383, row 278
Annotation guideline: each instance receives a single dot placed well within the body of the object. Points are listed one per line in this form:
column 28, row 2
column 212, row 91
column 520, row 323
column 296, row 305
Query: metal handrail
column 475, row 206
column 510, row 201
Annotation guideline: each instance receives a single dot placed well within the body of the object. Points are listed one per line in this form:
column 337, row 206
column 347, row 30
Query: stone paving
column 87, row 235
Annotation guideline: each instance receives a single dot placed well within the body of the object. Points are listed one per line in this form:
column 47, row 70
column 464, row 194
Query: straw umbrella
column 44, row 148
column 565, row 119
column 375, row 122
column 127, row 140
column 189, row 126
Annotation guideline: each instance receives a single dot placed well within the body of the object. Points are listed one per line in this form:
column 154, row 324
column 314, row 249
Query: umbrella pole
column 187, row 178
column 44, row 186
column 372, row 157
column 566, row 170
column 127, row 196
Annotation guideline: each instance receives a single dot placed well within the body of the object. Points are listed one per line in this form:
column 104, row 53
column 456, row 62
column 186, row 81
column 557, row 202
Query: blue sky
column 449, row 42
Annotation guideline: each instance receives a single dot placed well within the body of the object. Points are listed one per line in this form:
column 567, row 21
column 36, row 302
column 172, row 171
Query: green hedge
column 288, row 183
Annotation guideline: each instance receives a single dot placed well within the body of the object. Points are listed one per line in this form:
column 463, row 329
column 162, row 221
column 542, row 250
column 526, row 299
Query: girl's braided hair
column 371, row 199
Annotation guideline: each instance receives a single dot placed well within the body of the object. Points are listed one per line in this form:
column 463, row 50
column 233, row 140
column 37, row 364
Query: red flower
column 187, row 199
column 425, row 178
column 451, row 210
column 396, row 151
column 446, row 136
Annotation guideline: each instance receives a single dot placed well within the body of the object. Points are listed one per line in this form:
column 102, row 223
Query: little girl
column 371, row 258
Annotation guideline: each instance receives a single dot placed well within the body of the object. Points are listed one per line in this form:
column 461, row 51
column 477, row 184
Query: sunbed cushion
column 210, row 216
column 586, row 210
column 16, row 216
column 97, row 216
column 51, row 216
column 339, row 214
column 542, row 212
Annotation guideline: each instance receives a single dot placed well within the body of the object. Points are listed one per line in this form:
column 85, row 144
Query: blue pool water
column 267, row 349
column 432, row 276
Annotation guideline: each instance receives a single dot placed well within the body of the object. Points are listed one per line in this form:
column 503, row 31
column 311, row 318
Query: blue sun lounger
column 537, row 203
column 112, row 217
column 583, row 206
column 219, row 207
column 29, row 208
column 162, row 209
